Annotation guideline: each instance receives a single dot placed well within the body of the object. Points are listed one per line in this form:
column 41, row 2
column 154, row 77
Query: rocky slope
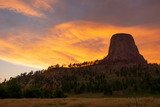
column 123, row 50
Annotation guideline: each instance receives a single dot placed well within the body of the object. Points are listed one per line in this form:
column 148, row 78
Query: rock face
column 123, row 50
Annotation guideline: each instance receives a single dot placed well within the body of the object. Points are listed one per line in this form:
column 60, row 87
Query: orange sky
column 75, row 42
column 40, row 33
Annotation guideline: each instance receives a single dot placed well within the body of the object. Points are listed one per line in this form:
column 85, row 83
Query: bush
column 33, row 93
column 59, row 94
column 107, row 90
column 3, row 93
column 13, row 90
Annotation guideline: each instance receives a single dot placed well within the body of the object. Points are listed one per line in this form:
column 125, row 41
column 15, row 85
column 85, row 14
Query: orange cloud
column 95, row 35
column 74, row 42
column 21, row 6
column 43, row 4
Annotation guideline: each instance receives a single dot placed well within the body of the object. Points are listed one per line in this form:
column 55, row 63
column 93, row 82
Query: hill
column 123, row 72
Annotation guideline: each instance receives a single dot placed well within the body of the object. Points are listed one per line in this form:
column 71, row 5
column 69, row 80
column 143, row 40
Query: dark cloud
column 114, row 12
column 117, row 12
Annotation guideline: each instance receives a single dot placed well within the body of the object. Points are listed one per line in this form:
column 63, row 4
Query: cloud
column 96, row 44
column 29, row 8
column 115, row 12
column 75, row 41
column 40, row 33
column 43, row 4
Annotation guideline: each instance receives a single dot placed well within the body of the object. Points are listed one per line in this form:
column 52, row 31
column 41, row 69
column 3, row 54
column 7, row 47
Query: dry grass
column 82, row 102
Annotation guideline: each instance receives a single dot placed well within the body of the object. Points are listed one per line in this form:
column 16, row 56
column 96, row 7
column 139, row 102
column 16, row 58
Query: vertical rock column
column 123, row 50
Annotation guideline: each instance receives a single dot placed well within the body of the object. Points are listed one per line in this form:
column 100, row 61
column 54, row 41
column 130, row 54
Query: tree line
column 110, row 80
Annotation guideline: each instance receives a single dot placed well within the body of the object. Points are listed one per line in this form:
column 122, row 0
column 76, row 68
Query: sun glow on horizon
column 74, row 42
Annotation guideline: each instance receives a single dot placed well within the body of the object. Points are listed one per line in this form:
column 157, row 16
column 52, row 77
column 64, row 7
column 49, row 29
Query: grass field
column 82, row 102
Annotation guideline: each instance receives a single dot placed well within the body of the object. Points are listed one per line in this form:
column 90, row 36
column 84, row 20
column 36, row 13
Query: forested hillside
column 124, row 71
column 110, row 80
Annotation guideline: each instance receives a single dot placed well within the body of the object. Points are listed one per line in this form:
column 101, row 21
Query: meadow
column 82, row 102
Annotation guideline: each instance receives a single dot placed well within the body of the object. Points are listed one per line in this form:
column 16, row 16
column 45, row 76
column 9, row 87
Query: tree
column 33, row 93
column 57, row 66
column 13, row 89
column 59, row 94
column 3, row 93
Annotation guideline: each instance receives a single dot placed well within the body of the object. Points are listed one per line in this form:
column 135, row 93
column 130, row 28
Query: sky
column 35, row 34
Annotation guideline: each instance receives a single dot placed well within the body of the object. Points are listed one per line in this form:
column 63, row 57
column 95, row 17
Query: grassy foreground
column 82, row 102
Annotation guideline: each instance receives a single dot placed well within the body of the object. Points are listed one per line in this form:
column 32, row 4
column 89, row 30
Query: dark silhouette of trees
column 10, row 90
column 79, row 78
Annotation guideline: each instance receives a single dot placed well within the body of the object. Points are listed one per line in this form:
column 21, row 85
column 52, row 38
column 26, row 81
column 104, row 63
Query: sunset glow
column 40, row 33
